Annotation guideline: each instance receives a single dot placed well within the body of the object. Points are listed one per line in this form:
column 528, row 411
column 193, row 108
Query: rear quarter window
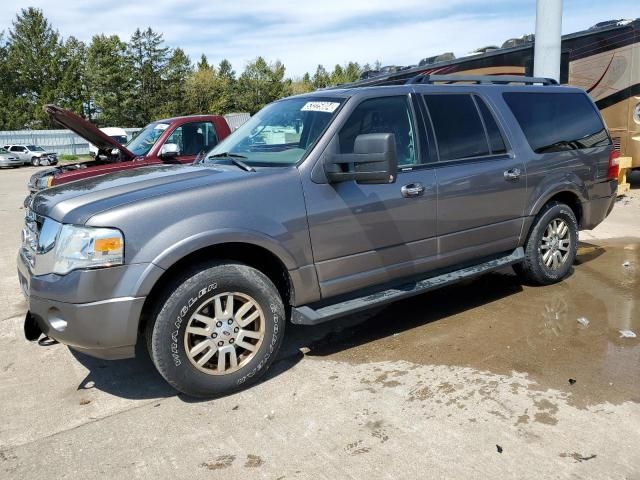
column 555, row 122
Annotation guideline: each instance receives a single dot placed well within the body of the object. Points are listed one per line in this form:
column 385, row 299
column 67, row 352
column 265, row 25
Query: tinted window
column 382, row 115
column 555, row 122
column 456, row 122
column 496, row 142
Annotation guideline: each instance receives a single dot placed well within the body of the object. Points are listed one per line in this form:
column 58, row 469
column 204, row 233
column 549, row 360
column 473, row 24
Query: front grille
column 39, row 237
column 617, row 141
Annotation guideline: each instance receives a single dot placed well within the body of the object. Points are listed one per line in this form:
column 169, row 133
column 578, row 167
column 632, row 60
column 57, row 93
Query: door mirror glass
column 169, row 150
column 374, row 160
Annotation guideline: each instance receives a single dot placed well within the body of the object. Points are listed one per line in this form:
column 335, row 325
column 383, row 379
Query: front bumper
column 10, row 163
column 73, row 310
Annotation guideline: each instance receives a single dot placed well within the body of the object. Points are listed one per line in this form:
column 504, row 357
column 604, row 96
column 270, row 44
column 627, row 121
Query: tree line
column 113, row 82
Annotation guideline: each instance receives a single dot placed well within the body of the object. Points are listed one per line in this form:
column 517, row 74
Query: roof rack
column 480, row 79
column 411, row 78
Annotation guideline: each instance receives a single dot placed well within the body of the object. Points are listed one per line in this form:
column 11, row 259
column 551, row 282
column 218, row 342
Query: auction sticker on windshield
column 328, row 107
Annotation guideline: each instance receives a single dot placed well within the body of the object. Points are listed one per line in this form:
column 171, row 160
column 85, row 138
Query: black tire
column 533, row 269
column 197, row 290
column 35, row 161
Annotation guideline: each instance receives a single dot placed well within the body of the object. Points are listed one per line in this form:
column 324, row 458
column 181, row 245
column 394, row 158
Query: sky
column 303, row 34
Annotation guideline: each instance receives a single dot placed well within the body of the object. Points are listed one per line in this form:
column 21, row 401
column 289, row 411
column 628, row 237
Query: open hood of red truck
column 86, row 130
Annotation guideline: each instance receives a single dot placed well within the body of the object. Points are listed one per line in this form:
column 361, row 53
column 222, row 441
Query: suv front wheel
column 218, row 329
column 551, row 247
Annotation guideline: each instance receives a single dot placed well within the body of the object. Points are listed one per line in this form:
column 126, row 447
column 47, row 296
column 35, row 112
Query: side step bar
column 307, row 315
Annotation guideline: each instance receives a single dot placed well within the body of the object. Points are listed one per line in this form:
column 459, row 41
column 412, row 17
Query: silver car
column 7, row 159
column 33, row 155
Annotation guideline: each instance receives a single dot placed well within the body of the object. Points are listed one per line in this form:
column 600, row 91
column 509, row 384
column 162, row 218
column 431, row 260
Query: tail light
column 614, row 165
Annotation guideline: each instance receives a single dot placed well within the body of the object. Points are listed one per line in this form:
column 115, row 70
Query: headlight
column 636, row 113
column 44, row 182
column 87, row 247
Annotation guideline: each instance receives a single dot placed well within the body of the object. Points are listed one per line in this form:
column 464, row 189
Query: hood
column 76, row 202
column 86, row 130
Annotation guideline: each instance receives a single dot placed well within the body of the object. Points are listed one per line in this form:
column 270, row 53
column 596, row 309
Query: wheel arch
column 251, row 254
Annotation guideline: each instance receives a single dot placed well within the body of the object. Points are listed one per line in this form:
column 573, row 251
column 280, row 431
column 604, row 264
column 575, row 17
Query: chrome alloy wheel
column 225, row 333
column 555, row 244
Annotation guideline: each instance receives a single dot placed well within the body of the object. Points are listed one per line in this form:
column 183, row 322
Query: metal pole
column 546, row 60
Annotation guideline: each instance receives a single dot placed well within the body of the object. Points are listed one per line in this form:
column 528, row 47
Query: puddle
column 496, row 324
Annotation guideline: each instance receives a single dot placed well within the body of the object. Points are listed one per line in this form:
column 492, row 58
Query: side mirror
column 169, row 150
column 374, row 160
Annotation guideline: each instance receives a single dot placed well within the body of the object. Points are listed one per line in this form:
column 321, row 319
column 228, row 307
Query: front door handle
column 513, row 174
column 412, row 190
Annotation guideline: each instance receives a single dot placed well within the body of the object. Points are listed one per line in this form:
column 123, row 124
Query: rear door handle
column 513, row 174
column 412, row 190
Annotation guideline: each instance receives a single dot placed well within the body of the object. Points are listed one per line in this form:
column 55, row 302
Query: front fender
column 210, row 238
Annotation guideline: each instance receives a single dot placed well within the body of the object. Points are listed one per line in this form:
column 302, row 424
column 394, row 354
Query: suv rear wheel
column 551, row 247
column 218, row 329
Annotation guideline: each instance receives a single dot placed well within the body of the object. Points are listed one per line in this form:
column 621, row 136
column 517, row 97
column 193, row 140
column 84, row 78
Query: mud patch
column 220, row 463
column 253, row 461
column 578, row 457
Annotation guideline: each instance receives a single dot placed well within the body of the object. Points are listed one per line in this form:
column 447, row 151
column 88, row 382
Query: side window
column 554, row 122
column 496, row 142
column 456, row 122
column 382, row 115
column 193, row 138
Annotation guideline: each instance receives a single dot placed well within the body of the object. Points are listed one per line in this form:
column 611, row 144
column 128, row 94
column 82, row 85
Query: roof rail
column 481, row 79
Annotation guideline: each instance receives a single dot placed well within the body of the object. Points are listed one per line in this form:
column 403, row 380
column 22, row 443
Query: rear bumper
column 595, row 210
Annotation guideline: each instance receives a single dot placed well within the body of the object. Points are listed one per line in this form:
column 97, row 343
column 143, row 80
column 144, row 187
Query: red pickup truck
column 173, row 140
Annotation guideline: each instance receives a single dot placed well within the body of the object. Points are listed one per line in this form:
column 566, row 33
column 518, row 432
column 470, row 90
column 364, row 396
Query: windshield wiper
column 235, row 159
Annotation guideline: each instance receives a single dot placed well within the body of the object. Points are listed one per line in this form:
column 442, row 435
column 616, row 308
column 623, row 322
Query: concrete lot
column 489, row 379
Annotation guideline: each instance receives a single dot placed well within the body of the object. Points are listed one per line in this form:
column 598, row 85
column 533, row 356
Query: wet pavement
column 496, row 324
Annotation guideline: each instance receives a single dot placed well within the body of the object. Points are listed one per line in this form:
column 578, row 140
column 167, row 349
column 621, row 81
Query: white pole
column 546, row 60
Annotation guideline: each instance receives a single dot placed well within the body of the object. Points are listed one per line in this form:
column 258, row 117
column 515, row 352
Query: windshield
column 2, row 150
column 147, row 138
column 34, row 148
column 280, row 133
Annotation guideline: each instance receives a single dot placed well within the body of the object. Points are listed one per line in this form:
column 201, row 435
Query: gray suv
column 321, row 205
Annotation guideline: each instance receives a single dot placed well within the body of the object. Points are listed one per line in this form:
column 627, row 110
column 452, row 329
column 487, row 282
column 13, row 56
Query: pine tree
column 174, row 85
column 33, row 57
column 147, row 56
column 109, row 82
column 72, row 91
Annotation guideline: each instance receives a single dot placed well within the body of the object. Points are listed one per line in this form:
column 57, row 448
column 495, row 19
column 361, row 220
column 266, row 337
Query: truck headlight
column 636, row 114
column 87, row 247
column 44, row 182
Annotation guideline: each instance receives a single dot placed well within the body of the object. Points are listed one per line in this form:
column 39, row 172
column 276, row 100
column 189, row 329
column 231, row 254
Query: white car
column 7, row 159
column 33, row 155
column 116, row 133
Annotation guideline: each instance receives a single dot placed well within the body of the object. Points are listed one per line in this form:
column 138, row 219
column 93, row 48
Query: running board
column 307, row 315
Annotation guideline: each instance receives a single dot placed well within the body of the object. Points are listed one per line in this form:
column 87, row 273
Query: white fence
column 60, row 141
column 67, row 142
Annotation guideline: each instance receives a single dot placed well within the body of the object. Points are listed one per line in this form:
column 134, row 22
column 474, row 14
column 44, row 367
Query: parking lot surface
column 486, row 379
